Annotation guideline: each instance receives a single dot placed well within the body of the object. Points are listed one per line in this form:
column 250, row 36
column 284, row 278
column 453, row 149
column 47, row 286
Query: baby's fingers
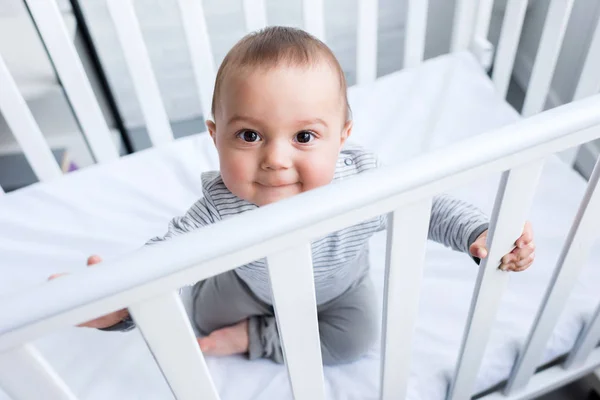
column 523, row 264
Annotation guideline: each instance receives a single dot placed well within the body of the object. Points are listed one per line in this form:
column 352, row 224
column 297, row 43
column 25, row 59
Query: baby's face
column 279, row 131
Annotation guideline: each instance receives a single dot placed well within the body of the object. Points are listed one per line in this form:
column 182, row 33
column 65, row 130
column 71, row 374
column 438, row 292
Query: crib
column 37, row 341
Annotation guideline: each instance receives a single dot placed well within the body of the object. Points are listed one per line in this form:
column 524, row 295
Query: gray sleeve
column 455, row 223
column 197, row 216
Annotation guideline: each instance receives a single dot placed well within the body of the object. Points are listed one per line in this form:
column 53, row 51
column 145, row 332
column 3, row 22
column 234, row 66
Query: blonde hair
column 272, row 46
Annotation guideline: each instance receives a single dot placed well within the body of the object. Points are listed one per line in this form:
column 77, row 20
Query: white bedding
column 113, row 209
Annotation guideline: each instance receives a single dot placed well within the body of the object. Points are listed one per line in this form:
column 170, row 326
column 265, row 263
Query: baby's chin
column 263, row 196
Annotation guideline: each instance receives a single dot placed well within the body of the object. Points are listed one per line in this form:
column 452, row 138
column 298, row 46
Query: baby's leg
column 349, row 324
column 348, row 327
column 226, row 311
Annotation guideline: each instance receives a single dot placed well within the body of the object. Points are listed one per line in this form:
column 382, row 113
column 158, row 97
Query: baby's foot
column 226, row 341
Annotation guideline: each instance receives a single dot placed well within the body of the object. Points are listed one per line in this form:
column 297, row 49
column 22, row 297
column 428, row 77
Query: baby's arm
column 456, row 223
column 197, row 216
column 464, row 227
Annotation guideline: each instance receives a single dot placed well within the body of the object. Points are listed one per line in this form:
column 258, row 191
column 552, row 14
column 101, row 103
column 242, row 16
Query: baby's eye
column 249, row 136
column 304, row 136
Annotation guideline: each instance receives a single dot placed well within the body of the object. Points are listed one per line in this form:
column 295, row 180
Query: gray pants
column 348, row 324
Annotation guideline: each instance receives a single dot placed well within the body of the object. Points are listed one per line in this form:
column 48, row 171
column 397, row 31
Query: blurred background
column 93, row 33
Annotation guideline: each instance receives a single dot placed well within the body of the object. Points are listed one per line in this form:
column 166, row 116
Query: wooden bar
column 405, row 256
column 586, row 343
column 25, row 374
column 547, row 56
column 24, row 128
column 416, row 29
column 68, row 67
column 314, row 20
column 513, row 201
column 484, row 16
column 255, row 14
column 589, row 80
column 573, row 257
column 550, row 379
column 294, row 300
column 201, row 55
column 140, row 69
column 508, row 44
column 463, row 30
column 366, row 51
column 166, row 329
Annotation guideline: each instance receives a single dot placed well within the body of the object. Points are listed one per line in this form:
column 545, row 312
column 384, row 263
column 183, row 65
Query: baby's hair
column 272, row 46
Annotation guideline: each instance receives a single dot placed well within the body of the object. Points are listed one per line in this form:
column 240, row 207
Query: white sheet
column 113, row 209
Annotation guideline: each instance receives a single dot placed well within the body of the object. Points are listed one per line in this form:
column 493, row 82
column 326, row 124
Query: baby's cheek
column 319, row 172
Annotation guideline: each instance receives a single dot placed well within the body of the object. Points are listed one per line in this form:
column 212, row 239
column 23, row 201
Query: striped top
column 341, row 258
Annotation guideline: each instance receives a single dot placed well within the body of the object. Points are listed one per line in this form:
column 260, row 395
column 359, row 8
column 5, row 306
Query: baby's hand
column 519, row 259
column 106, row 320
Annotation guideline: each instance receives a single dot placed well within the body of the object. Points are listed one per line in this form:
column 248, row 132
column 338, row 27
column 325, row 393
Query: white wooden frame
column 147, row 286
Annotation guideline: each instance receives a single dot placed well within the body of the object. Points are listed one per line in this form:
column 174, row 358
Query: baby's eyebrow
column 312, row 121
column 243, row 118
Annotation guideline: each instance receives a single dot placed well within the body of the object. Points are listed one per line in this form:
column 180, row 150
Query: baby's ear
column 212, row 130
column 346, row 131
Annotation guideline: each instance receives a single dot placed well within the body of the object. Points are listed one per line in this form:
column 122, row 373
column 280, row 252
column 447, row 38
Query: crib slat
column 406, row 242
column 292, row 285
column 547, row 56
column 314, row 20
column 573, row 256
column 464, row 24
column 589, row 81
column 25, row 374
column 416, row 28
column 508, row 44
column 484, row 16
column 69, row 69
column 366, row 40
column 514, row 198
column 140, row 69
column 25, row 129
column 587, row 342
column 201, row 55
column 255, row 14
column 166, row 329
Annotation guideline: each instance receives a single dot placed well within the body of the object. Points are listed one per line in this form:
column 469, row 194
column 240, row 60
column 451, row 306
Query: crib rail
column 72, row 76
column 147, row 279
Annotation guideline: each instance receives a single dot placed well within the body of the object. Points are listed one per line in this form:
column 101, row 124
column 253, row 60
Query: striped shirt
column 341, row 258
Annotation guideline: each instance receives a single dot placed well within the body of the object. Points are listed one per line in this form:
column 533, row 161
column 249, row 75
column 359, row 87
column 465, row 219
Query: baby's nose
column 277, row 156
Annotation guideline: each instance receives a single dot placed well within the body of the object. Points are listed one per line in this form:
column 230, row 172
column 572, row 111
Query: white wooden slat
column 25, row 129
column 366, row 41
column 62, row 52
column 25, row 374
column 293, row 288
column 549, row 379
column 140, row 68
column 313, row 16
column 555, row 27
column 484, row 16
column 463, row 30
column 1, row 191
column 588, row 84
column 573, row 256
column 588, row 341
column 166, row 329
column 255, row 14
column 416, row 28
column 508, row 44
column 514, row 198
column 589, row 80
column 201, row 55
column 406, row 244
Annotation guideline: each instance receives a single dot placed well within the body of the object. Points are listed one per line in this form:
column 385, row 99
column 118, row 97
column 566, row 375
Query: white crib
column 146, row 281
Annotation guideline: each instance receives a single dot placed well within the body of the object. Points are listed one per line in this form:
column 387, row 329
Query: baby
column 281, row 122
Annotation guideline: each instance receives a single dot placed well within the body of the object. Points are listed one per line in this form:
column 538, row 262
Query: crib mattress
column 113, row 209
